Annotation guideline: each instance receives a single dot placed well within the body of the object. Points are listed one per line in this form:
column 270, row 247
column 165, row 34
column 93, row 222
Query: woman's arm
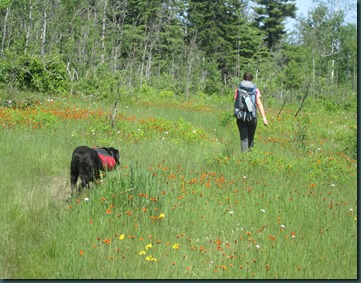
column 261, row 109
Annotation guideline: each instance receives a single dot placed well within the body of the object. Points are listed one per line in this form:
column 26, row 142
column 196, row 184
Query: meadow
column 185, row 203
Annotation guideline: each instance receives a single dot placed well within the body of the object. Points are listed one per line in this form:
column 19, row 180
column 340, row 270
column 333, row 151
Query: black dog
column 87, row 163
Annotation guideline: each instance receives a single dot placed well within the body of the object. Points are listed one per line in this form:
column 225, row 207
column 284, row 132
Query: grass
column 185, row 203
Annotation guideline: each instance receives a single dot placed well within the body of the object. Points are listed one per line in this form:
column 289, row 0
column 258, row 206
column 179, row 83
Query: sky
column 303, row 7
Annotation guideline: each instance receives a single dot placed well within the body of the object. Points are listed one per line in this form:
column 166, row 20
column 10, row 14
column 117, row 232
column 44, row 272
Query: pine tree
column 270, row 18
column 215, row 25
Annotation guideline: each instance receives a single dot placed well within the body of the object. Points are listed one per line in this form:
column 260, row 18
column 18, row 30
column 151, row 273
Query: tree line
column 187, row 47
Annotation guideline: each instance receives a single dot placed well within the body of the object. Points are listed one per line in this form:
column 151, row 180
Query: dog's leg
column 74, row 173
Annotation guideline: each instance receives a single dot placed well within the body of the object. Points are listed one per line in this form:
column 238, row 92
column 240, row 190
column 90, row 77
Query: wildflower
column 86, row 199
column 108, row 211
column 150, row 258
column 161, row 215
column 148, row 246
column 258, row 246
column 175, row 246
column 142, row 253
column 293, row 234
column 121, row 237
column 81, row 252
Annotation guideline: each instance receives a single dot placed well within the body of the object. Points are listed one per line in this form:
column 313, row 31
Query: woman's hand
column 265, row 122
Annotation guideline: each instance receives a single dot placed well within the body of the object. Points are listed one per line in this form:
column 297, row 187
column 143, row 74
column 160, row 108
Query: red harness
column 108, row 161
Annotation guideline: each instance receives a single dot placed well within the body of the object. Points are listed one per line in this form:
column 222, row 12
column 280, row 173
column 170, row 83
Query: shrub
column 34, row 73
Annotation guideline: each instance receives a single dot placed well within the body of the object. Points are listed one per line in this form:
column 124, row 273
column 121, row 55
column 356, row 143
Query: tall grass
column 185, row 203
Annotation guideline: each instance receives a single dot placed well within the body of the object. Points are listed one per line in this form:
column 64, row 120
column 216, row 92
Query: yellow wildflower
column 121, row 237
column 150, row 258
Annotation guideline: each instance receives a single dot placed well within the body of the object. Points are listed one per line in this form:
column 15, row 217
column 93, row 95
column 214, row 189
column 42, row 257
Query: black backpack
column 245, row 103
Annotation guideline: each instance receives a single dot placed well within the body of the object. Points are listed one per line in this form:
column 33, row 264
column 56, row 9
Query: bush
column 34, row 73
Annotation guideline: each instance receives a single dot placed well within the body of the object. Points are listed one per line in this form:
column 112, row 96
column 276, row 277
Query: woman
column 247, row 124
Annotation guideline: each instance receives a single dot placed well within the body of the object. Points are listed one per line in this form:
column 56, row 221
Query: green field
column 185, row 202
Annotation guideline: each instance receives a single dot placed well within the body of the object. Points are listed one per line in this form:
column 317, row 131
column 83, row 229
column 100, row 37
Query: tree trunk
column 4, row 29
column 43, row 34
column 28, row 28
column 104, row 18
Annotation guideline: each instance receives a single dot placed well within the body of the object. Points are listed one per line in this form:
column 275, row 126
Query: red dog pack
column 107, row 160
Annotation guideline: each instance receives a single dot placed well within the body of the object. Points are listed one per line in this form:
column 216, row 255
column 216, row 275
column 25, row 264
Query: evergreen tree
column 215, row 25
column 270, row 18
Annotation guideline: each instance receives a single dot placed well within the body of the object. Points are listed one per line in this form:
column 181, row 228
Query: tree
column 270, row 18
column 329, row 41
column 216, row 27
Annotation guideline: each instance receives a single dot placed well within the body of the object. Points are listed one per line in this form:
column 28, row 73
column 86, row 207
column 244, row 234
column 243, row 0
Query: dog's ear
column 117, row 156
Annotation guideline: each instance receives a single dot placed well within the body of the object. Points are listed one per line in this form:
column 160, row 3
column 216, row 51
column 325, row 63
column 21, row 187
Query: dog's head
column 113, row 152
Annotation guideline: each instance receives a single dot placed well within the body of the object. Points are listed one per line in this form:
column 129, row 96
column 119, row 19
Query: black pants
column 247, row 131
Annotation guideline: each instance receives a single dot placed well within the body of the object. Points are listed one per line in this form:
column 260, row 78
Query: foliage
column 270, row 18
column 30, row 72
column 86, row 48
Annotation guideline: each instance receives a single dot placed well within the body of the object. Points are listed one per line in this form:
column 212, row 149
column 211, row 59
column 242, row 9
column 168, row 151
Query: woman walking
column 247, row 99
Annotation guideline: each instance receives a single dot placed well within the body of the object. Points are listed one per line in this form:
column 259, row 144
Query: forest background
column 178, row 49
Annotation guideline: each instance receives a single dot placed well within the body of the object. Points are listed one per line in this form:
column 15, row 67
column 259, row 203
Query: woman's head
column 248, row 76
